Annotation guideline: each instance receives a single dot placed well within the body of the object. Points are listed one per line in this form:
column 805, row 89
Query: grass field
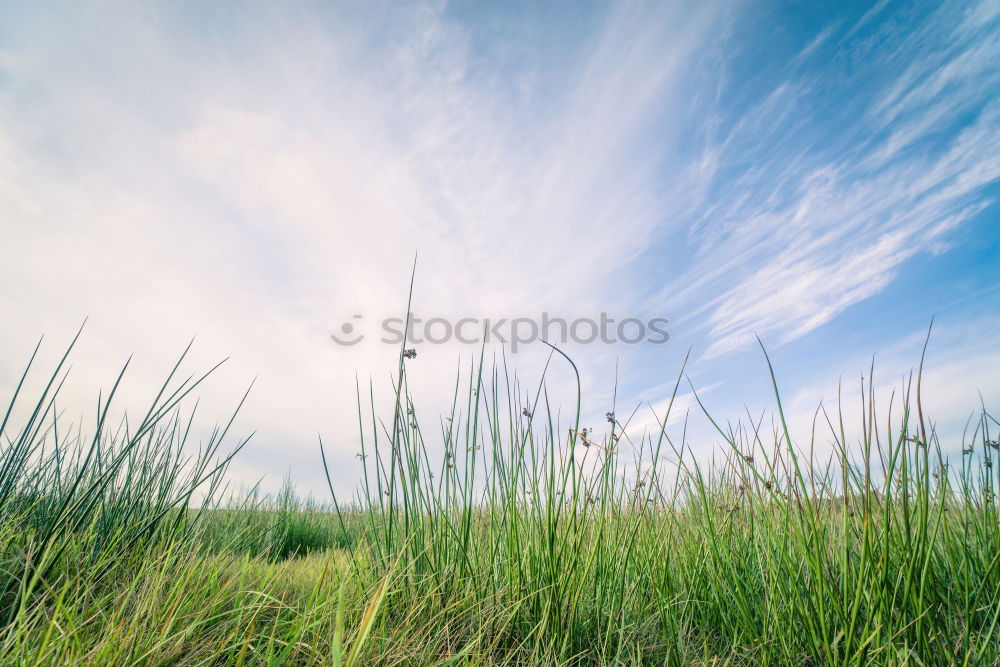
column 495, row 536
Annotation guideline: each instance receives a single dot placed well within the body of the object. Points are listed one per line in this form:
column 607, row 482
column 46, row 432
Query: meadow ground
column 502, row 539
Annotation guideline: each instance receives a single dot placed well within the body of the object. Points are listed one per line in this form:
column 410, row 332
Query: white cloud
column 256, row 179
column 174, row 176
column 824, row 216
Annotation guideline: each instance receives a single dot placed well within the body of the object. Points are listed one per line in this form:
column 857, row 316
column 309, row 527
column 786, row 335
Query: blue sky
column 823, row 175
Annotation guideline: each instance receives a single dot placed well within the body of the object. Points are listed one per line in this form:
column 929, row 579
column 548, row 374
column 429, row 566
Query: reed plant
column 498, row 534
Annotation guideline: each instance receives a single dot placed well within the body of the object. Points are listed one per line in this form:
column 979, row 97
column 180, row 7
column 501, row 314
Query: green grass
column 497, row 535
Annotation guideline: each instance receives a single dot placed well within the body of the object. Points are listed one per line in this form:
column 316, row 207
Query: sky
column 255, row 175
